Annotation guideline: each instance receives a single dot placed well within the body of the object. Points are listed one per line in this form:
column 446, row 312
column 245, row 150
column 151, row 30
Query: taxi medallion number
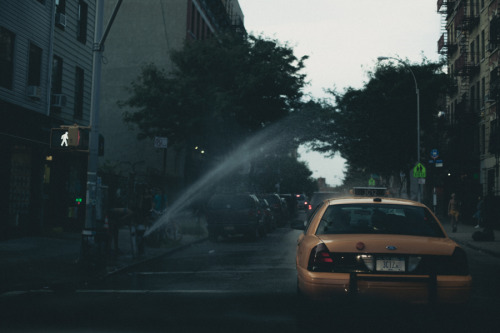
column 390, row 264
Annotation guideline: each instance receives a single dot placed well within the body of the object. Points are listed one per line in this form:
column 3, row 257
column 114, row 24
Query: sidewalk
column 52, row 261
column 463, row 236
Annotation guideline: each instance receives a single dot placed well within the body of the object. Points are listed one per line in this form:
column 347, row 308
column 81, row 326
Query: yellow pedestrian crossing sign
column 419, row 171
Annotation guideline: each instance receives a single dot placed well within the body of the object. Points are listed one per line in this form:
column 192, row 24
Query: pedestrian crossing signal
column 70, row 138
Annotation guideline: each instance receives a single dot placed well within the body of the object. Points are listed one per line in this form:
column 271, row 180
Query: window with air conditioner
column 57, row 100
column 34, row 71
column 60, row 13
column 61, row 20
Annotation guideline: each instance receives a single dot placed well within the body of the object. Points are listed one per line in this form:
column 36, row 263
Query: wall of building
column 38, row 184
column 144, row 33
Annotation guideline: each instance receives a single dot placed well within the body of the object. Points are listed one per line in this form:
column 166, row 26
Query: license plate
column 390, row 264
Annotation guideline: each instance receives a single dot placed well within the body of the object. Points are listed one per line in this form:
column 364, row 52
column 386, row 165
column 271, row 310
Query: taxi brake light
column 320, row 259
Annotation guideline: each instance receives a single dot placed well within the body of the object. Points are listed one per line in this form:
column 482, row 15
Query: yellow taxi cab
column 375, row 247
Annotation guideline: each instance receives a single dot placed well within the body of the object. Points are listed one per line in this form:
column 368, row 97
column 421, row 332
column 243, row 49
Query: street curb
column 478, row 248
column 156, row 257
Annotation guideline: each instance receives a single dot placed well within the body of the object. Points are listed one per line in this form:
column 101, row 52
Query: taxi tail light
column 457, row 265
column 320, row 259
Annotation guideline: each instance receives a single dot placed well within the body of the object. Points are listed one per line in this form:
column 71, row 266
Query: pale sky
column 343, row 39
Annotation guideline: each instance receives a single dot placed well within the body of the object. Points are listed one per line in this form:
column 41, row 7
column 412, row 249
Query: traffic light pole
column 89, row 230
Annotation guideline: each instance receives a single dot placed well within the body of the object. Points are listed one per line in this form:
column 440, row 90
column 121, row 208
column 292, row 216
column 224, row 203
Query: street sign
column 160, row 142
column 434, row 154
column 419, row 171
column 371, row 182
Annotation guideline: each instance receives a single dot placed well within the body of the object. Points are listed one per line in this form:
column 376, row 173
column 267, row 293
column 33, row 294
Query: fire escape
column 459, row 20
column 494, row 86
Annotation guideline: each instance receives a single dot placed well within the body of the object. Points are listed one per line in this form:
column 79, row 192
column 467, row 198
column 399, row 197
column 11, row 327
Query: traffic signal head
column 70, row 138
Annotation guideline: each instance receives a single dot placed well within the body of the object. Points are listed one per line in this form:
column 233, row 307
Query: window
column 81, row 24
column 483, row 139
column 61, row 6
column 483, row 92
column 79, row 89
column 60, row 14
column 57, row 66
column 35, row 65
column 477, row 48
column 472, row 53
column 482, row 45
column 478, row 98
column 7, row 39
column 473, row 98
column 378, row 219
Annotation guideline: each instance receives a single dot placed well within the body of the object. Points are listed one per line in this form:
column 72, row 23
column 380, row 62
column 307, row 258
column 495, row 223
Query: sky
column 343, row 40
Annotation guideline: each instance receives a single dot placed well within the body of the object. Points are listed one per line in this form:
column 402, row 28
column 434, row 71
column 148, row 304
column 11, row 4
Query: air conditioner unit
column 61, row 20
column 34, row 92
column 58, row 100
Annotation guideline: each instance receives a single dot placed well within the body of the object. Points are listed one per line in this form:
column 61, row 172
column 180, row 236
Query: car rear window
column 230, row 202
column 378, row 219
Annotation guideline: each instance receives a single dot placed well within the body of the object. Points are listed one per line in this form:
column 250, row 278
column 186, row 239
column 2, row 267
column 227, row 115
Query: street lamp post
column 418, row 109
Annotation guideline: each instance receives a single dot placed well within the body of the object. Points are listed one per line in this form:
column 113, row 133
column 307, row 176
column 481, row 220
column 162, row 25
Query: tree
column 284, row 174
column 222, row 91
column 374, row 128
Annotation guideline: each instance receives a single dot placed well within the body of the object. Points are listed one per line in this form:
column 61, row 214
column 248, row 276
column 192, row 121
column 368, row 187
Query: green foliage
column 292, row 175
column 375, row 128
column 222, row 91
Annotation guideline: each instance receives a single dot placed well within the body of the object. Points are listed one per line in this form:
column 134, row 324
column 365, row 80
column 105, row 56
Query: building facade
column 470, row 41
column 146, row 32
column 46, row 66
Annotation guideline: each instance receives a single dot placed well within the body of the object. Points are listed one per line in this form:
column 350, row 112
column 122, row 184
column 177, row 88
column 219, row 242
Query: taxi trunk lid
column 393, row 244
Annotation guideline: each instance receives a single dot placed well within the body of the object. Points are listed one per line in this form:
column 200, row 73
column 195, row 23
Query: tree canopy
column 221, row 91
column 375, row 128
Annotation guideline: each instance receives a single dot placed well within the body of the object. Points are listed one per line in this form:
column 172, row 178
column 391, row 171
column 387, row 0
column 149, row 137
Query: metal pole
column 89, row 231
column 418, row 111
column 418, row 132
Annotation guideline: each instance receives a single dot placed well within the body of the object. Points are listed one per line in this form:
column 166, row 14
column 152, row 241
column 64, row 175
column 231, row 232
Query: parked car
column 291, row 202
column 379, row 248
column 234, row 214
column 269, row 220
column 301, row 201
column 278, row 208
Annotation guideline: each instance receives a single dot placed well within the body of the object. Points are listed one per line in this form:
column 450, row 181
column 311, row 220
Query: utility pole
column 89, row 230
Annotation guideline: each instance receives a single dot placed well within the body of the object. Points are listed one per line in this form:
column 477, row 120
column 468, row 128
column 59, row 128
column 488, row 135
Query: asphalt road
column 236, row 285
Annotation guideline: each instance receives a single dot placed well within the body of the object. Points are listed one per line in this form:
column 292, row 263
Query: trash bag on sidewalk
column 486, row 235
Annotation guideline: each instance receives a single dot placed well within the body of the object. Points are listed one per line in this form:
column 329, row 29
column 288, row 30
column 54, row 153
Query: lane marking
column 213, row 272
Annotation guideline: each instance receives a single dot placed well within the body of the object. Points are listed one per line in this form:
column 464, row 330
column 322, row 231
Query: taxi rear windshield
column 379, row 219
